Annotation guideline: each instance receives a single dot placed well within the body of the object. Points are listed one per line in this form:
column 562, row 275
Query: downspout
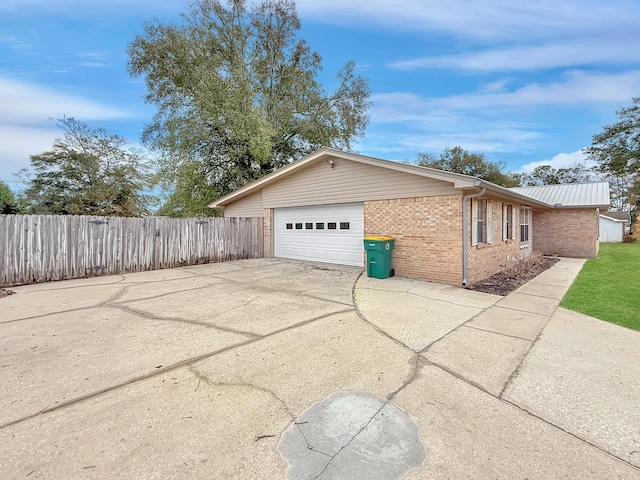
column 465, row 235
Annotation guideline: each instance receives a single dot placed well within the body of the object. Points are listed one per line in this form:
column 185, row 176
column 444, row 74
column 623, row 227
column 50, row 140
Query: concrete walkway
column 239, row 370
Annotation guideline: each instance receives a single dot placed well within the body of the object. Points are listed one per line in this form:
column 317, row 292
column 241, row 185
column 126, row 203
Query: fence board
column 41, row 248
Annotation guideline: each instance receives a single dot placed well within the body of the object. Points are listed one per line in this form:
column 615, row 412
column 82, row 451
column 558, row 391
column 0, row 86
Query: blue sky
column 524, row 82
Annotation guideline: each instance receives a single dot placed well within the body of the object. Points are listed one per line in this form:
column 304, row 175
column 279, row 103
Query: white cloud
column 496, row 101
column 22, row 103
column 18, row 143
column 496, row 118
column 575, row 88
column 561, row 160
column 486, row 19
column 577, row 52
column 25, row 126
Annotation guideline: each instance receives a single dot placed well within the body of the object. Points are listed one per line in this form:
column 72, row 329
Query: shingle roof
column 569, row 194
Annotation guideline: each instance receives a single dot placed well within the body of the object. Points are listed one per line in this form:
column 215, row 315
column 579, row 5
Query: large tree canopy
column 87, row 172
column 617, row 147
column 458, row 160
column 547, row 175
column 617, row 151
column 237, row 96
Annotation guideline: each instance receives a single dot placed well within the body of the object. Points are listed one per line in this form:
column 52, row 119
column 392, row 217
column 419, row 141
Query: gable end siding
column 348, row 182
column 249, row 206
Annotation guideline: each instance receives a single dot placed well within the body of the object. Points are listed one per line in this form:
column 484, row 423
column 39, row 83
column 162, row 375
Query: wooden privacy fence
column 40, row 248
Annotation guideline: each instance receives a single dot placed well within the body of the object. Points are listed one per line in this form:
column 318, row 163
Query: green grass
column 608, row 287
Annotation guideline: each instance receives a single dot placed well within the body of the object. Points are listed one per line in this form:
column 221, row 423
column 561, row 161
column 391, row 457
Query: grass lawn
column 608, row 287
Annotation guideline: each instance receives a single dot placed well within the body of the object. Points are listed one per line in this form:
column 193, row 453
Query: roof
column 457, row 179
column 617, row 216
column 570, row 195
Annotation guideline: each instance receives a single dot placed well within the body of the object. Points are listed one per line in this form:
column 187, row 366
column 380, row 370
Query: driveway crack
column 150, row 316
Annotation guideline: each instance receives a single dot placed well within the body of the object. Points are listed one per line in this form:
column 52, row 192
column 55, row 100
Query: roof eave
column 492, row 187
column 574, row 207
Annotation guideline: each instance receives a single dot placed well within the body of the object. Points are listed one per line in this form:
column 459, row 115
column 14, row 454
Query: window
column 319, row 226
column 507, row 222
column 344, row 225
column 331, row 225
column 289, row 226
column 481, row 221
column 298, row 226
column 525, row 222
column 308, row 226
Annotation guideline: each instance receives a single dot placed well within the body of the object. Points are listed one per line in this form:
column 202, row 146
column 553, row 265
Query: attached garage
column 448, row 227
column 322, row 233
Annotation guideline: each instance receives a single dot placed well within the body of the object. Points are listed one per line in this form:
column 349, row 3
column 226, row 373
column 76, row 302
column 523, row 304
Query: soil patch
column 5, row 293
column 514, row 276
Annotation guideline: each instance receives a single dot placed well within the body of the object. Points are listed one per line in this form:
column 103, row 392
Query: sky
column 526, row 83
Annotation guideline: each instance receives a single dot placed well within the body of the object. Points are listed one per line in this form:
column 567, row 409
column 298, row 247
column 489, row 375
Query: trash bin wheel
column 392, row 272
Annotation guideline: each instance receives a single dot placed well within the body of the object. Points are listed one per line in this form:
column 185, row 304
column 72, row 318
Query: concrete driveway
column 264, row 369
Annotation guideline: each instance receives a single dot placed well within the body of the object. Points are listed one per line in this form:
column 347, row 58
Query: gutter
column 465, row 235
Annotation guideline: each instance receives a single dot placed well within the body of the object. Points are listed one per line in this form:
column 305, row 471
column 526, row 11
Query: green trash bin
column 379, row 256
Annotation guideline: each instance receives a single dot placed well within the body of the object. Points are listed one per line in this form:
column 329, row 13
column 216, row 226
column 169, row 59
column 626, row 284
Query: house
column 448, row 227
column 614, row 226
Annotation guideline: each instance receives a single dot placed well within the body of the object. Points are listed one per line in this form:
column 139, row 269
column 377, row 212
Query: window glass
column 480, row 220
column 308, row 226
column 319, row 226
column 525, row 221
column 344, row 225
column 331, row 225
column 289, row 226
column 298, row 226
column 508, row 222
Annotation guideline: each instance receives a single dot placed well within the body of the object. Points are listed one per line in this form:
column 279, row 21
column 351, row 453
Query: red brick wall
column 567, row 233
column 427, row 232
column 486, row 259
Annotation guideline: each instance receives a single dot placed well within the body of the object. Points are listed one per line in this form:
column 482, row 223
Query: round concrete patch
column 352, row 435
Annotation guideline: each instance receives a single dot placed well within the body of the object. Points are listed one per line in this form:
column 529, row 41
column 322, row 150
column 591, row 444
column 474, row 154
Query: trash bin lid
column 380, row 239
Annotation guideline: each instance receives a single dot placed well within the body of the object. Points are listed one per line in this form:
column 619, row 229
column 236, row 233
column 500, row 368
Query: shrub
column 629, row 239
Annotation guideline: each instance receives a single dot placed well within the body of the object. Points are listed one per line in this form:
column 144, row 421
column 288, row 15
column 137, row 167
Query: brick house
column 448, row 227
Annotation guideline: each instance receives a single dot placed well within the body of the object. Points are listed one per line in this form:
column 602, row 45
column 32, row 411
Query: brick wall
column 567, row 233
column 486, row 259
column 268, row 242
column 427, row 232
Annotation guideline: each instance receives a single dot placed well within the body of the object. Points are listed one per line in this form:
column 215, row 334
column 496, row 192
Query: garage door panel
column 342, row 243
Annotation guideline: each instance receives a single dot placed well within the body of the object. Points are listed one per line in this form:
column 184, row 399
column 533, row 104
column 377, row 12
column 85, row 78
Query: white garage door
column 324, row 233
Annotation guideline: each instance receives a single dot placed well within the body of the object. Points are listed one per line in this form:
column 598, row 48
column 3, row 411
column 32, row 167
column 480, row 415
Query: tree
column 458, row 160
column 87, row 172
column 547, row 175
column 8, row 203
column 237, row 96
column 617, row 147
column 617, row 151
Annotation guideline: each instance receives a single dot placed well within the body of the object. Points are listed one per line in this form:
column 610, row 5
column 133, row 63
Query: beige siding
column 347, row 182
column 249, row 206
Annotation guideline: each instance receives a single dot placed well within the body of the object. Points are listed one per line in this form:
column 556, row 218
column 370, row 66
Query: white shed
column 612, row 227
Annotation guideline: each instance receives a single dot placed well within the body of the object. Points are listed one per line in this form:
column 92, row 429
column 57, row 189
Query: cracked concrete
column 197, row 372
column 352, row 435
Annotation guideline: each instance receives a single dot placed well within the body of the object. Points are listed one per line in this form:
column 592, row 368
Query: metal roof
column 617, row 216
column 569, row 195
